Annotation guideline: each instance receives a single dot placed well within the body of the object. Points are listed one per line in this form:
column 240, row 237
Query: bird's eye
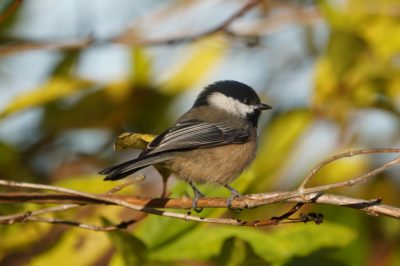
column 246, row 101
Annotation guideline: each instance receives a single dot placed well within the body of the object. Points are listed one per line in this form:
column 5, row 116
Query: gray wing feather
column 194, row 134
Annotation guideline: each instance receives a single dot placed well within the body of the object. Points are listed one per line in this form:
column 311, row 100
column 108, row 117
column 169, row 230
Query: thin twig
column 307, row 195
column 122, row 225
column 340, row 156
column 195, row 36
column 370, row 206
column 347, row 183
column 107, row 199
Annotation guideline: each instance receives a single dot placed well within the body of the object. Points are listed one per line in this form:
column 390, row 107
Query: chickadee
column 213, row 142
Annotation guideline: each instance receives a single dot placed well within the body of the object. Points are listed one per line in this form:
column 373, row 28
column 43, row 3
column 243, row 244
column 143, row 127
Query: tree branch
column 303, row 16
column 72, row 199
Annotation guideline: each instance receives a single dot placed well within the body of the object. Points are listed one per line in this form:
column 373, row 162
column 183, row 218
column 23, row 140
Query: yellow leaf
column 204, row 55
column 53, row 89
column 343, row 169
column 141, row 67
column 383, row 36
column 78, row 246
column 276, row 146
column 118, row 91
column 133, row 141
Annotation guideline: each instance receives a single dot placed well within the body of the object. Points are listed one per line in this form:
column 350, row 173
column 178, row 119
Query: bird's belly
column 219, row 165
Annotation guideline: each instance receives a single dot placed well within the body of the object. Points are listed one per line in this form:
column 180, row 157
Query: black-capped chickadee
column 213, row 142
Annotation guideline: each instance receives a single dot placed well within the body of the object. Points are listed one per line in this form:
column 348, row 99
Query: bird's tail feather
column 122, row 170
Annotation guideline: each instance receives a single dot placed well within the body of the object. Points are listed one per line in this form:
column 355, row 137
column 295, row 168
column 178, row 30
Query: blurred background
column 76, row 74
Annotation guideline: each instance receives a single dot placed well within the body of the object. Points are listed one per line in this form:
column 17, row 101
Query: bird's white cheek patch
column 229, row 104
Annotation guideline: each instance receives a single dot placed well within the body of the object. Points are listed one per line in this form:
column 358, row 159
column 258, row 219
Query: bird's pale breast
column 220, row 165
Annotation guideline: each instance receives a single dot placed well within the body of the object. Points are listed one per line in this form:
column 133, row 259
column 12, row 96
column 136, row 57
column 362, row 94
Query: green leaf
column 276, row 146
column 236, row 252
column 141, row 68
column 75, row 247
column 132, row 250
column 275, row 246
column 158, row 231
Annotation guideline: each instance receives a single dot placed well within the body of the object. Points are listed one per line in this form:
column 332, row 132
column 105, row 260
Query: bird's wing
column 193, row 134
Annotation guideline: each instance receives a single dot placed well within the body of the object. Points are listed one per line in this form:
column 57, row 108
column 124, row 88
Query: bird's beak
column 263, row 106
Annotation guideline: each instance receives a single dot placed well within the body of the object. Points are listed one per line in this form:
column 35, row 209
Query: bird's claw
column 197, row 196
column 234, row 194
column 194, row 202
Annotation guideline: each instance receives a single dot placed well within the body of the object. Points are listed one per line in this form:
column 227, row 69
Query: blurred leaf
column 275, row 246
column 343, row 169
column 118, row 91
column 141, row 68
column 132, row 141
column 383, row 37
column 156, row 231
column 54, row 89
column 13, row 165
column 132, row 250
column 204, row 55
column 360, row 64
column 92, row 183
column 76, row 247
column 67, row 64
column 9, row 10
column 316, row 259
column 12, row 239
column 344, row 49
column 276, row 146
column 236, row 252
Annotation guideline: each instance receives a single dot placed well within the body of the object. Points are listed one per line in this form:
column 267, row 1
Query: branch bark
column 69, row 198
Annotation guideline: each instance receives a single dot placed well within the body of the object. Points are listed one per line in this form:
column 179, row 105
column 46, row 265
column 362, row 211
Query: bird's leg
column 234, row 194
column 197, row 196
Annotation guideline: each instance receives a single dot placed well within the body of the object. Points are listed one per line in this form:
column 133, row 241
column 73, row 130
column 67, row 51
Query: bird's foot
column 197, row 196
column 234, row 194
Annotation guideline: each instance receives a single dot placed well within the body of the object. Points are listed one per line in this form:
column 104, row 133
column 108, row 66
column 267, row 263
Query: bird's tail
column 122, row 170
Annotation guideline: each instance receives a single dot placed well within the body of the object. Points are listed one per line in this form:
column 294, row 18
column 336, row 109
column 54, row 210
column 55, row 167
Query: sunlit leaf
column 131, row 249
column 54, row 89
column 276, row 145
column 133, row 141
column 76, row 247
column 91, row 184
column 275, row 246
column 158, row 231
column 141, row 67
column 341, row 170
column 12, row 239
column 235, row 251
column 203, row 56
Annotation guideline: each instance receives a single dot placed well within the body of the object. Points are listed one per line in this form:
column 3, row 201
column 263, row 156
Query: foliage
column 357, row 71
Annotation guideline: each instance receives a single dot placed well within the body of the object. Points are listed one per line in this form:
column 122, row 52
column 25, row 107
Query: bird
column 212, row 143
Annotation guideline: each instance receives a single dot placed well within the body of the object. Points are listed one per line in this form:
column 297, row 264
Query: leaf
column 132, row 141
column 204, row 55
column 132, row 250
column 341, row 170
column 274, row 246
column 92, row 183
column 157, row 231
column 276, row 146
column 76, row 247
column 54, row 89
column 141, row 67
column 236, row 252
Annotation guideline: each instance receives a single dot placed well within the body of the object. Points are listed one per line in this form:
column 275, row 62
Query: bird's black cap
column 230, row 88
